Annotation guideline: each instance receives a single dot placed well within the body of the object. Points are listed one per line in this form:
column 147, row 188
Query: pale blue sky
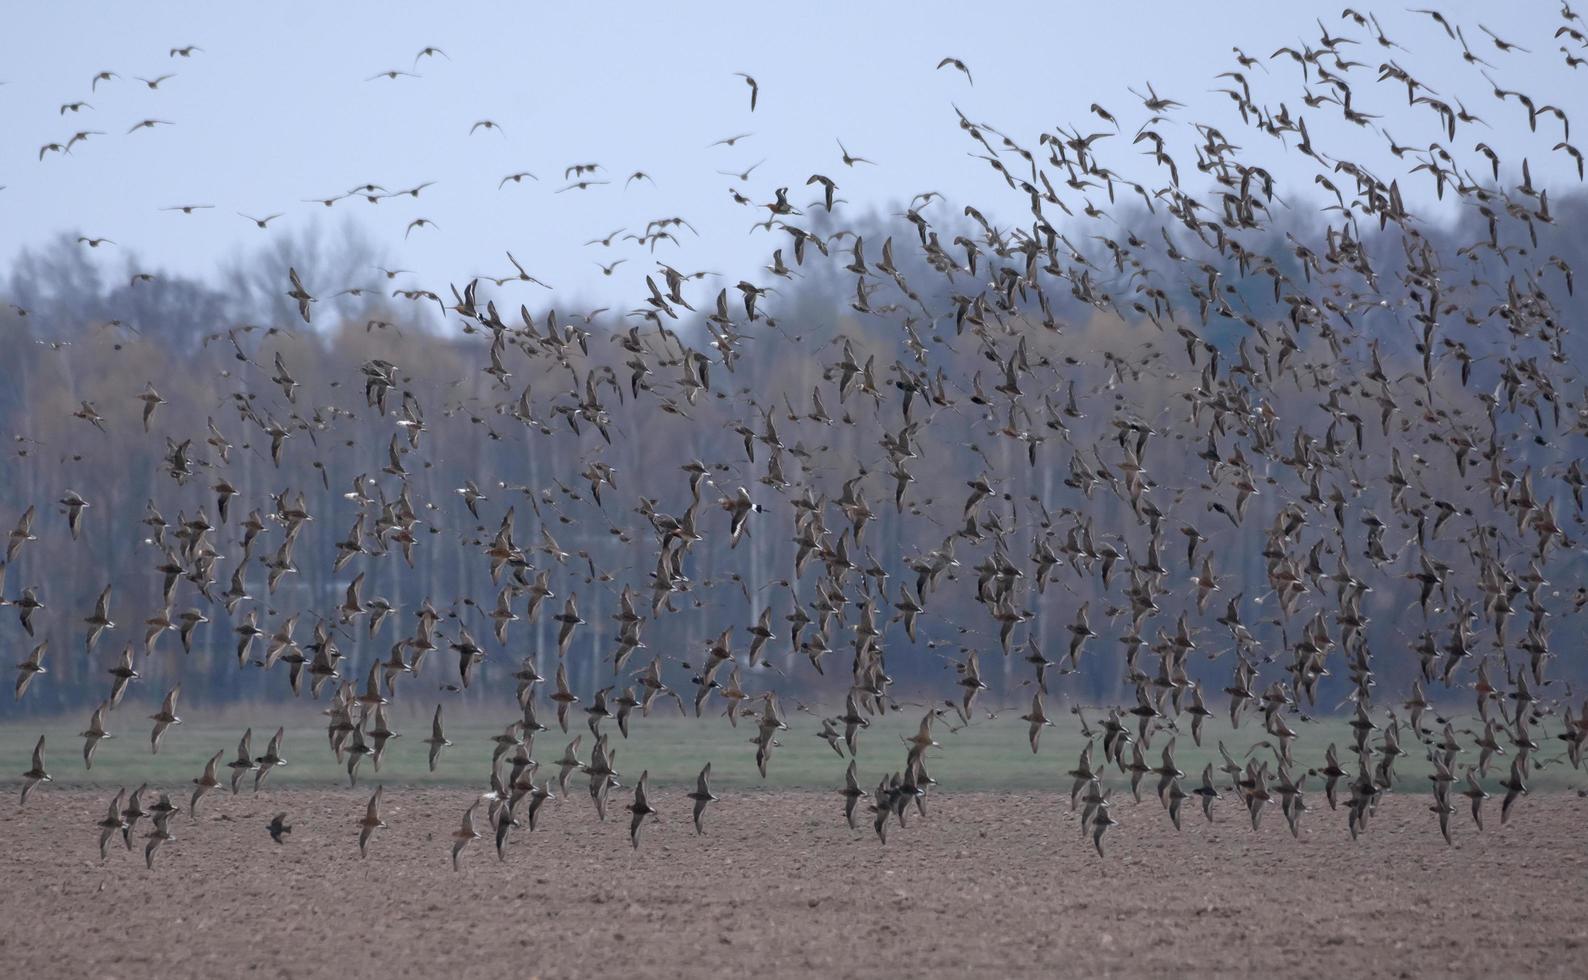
column 276, row 109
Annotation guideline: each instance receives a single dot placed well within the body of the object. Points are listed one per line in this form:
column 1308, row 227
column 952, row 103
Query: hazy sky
column 276, row 109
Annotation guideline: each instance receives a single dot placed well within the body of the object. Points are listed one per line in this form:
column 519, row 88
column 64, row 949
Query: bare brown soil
column 988, row 885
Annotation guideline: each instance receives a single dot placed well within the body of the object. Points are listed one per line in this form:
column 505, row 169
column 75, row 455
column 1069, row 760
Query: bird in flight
column 849, row 159
column 755, row 88
column 262, row 223
column 956, row 63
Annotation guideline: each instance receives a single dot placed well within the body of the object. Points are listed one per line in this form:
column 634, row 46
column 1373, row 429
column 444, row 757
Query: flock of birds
column 1442, row 441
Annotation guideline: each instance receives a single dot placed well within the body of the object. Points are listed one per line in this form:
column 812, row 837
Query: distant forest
column 80, row 332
